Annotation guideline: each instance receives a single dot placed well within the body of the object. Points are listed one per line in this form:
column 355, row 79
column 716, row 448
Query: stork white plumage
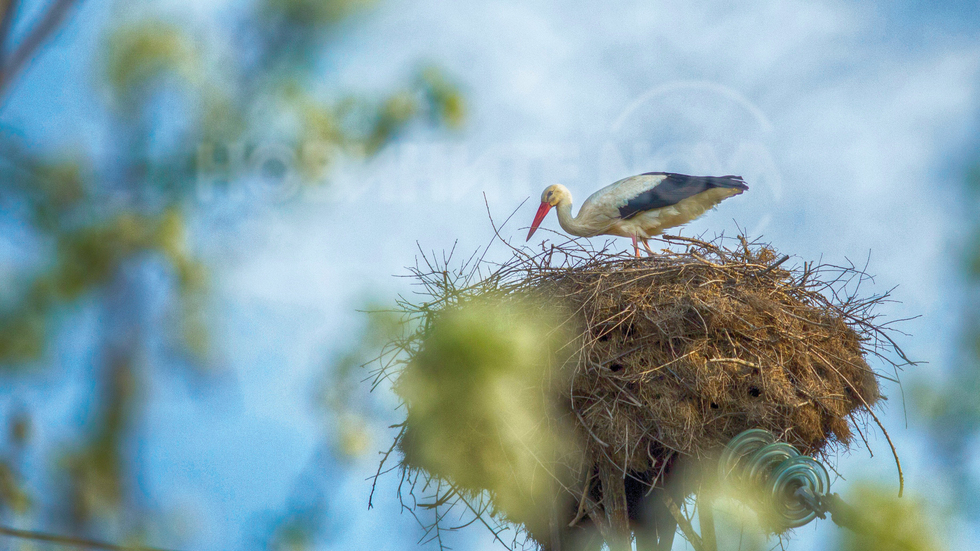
column 638, row 207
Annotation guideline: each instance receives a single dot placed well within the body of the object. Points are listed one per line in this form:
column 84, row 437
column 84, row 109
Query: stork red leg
column 636, row 247
column 647, row 247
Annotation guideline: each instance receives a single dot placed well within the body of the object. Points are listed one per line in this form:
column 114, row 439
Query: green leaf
column 316, row 12
column 140, row 54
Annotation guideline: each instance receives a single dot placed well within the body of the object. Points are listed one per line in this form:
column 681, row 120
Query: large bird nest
column 667, row 357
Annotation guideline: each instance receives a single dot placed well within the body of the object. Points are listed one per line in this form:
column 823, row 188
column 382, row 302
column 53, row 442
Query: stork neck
column 569, row 223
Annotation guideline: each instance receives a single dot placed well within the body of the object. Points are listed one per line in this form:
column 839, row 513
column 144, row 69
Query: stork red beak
column 542, row 211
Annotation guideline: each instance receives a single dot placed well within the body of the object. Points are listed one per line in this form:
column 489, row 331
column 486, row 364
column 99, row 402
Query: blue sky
column 850, row 122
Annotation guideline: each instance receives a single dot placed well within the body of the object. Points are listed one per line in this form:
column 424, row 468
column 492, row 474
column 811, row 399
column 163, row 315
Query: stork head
column 550, row 197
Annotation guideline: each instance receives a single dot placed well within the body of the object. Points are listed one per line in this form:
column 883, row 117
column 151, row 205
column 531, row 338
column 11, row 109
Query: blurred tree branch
column 10, row 66
column 73, row 542
column 6, row 23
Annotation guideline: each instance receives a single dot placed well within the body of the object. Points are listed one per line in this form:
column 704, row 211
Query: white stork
column 640, row 206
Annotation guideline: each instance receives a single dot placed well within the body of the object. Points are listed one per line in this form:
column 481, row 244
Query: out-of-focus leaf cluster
column 141, row 54
column 316, row 13
column 96, row 470
column 950, row 405
column 891, row 524
column 973, row 251
column 479, row 405
column 67, row 197
column 870, row 517
column 448, row 105
column 475, row 381
column 87, row 258
column 14, row 496
column 93, row 214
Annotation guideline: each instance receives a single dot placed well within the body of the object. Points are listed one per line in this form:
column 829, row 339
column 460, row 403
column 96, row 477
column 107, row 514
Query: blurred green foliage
column 479, row 431
column 892, row 524
column 316, row 12
column 88, row 258
column 973, row 250
column 139, row 54
column 870, row 517
column 479, row 409
column 950, row 404
column 96, row 472
column 291, row 537
column 97, row 213
column 477, row 428
column 444, row 95
column 14, row 496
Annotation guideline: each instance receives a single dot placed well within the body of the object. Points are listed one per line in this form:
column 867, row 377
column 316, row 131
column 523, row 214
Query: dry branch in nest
column 658, row 363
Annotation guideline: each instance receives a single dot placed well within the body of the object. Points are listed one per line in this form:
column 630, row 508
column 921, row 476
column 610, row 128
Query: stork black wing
column 674, row 189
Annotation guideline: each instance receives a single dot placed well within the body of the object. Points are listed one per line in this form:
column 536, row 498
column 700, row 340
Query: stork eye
column 549, row 193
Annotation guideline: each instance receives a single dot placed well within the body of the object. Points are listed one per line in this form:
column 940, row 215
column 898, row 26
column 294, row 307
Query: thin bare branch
column 52, row 19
